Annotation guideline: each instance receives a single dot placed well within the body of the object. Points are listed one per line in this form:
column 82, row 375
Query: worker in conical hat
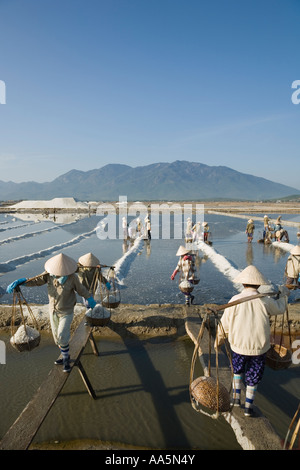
column 186, row 266
column 292, row 268
column 89, row 272
column 278, row 225
column 266, row 227
column 247, row 328
column 250, row 230
column 63, row 284
column 205, row 231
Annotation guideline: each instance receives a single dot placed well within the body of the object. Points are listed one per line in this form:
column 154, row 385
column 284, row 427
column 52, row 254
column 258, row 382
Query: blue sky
column 92, row 82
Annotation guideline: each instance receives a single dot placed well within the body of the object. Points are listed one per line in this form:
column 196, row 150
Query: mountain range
column 176, row 181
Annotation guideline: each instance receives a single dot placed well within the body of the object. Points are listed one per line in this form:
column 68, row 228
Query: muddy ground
column 139, row 320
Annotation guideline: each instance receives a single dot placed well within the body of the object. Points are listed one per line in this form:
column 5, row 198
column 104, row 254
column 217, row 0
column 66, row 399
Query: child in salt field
column 62, row 283
column 247, row 327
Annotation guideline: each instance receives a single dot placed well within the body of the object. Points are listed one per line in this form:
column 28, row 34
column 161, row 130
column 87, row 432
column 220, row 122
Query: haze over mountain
column 180, row 180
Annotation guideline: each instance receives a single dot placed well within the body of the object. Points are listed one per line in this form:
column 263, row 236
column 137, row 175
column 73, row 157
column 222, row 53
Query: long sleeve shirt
column 62, row 297
column 247, row 325
column 292, row 268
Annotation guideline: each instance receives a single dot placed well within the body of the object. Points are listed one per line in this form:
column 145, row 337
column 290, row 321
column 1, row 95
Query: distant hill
column 180, row 180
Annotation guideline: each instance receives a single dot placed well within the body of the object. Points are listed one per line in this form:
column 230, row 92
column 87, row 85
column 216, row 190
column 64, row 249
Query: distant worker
column 138, row 226
column 292, row 268
column 63, row 284
column 124, row 227
column 282, row 235
column 247, row 327
column 278, row 225
column 89, row 273
column 250, row 230
column 186, row 266
column 266, row 227
column 189, row 226
column 148, row 227
column 205, row 231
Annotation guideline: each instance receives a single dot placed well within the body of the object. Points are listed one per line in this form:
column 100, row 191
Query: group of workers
column 64, row 278
column 271, row 232
column 136, row 228
column 246, row 325
column 195, row 233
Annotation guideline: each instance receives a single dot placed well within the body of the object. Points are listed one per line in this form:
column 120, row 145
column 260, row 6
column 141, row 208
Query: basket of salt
column 186, row 286
column 278, row 357
column 194, row 281
column 111, row 301
column 111, row 298
column 207, row 392
column 25, row 338
column 97, row 316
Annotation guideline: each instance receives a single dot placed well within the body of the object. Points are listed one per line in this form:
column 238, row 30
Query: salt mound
column 186, row 286
column 56, row 203
column 24, row 334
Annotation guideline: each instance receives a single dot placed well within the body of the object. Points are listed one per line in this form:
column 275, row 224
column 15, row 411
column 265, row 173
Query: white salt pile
column 98, row 312
column 186, row 286
column 24, row 334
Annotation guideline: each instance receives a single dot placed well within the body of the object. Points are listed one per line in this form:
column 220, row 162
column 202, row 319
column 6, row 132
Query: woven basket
column 186, row 287
column 194, row 281
column 204, row 391
column 26, row 346
column 278, row 357
column 111, row 301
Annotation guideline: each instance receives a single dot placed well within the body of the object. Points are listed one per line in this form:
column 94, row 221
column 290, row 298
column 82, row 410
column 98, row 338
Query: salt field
column 143, row 385
column 26, row 246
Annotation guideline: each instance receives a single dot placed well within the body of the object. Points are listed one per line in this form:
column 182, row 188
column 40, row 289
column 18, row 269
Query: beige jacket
column 62, row 298
column 87, row 277
column 247, row 325
column 292, row 268
column 187, row 267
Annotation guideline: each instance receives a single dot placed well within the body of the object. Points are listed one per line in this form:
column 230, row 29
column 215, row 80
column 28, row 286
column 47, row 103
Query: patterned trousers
column 252, row 366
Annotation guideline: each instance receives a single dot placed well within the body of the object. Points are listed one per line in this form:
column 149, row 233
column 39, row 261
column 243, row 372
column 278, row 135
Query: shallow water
column 148, row 270
column 142, row 385
column 142, row 396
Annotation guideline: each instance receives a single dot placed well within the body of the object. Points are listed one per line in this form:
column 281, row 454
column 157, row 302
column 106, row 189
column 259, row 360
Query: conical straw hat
column 182, row 251
column 89, row 260
column 251, row 275
column 61, row 265
column 295, row 250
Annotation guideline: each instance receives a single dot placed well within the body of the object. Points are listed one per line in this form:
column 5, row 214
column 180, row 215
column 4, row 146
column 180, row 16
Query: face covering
column 61, row 279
